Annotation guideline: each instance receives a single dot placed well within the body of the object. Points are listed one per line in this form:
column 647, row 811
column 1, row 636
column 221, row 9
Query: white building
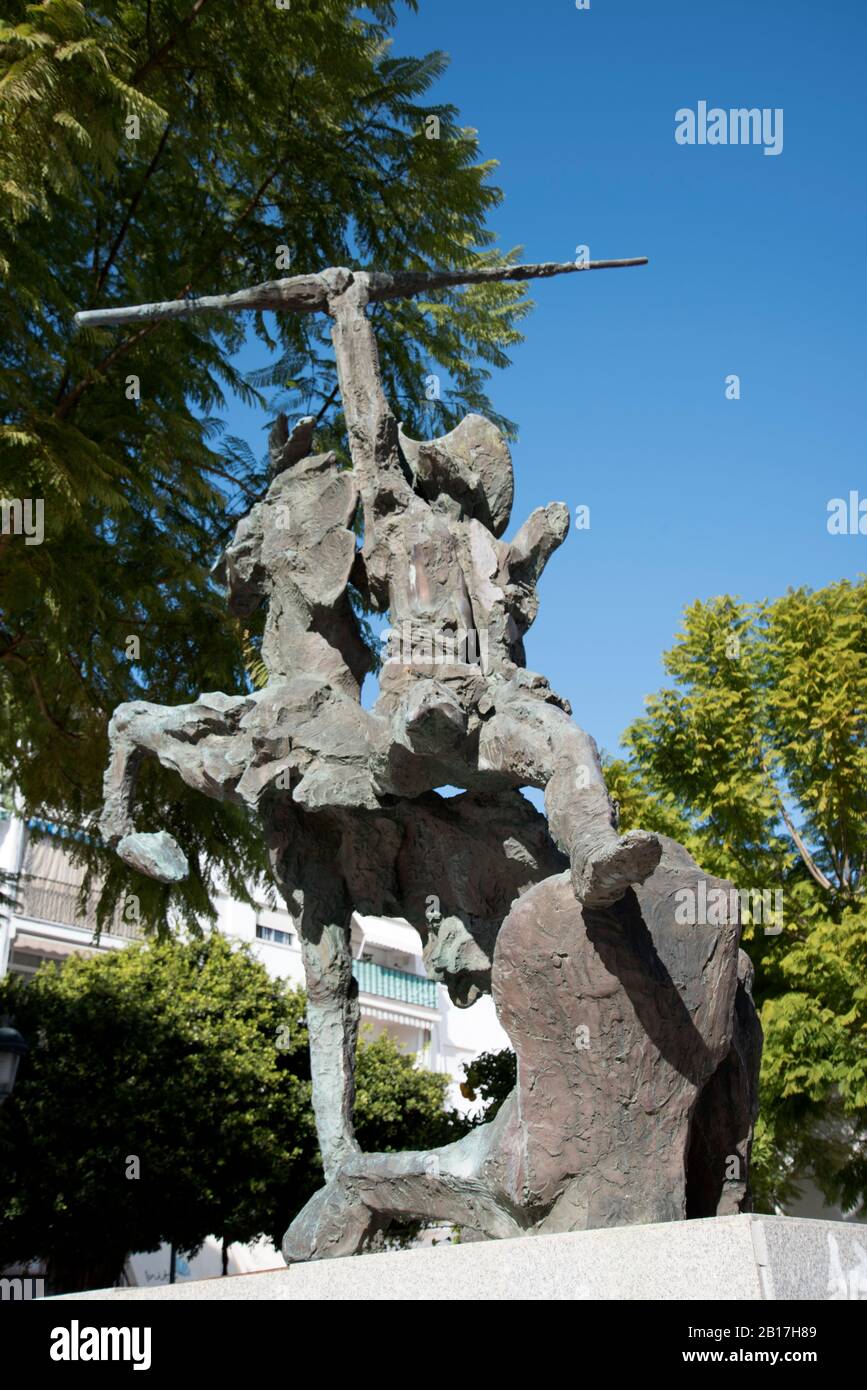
column 395, row 994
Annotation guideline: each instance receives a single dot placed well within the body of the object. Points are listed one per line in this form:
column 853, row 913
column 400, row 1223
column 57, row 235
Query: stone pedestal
column 721, row 1259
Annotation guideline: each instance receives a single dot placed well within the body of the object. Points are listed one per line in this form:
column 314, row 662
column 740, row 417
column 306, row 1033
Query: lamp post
column 12, row 1048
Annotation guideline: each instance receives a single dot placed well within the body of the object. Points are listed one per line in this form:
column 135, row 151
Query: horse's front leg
column 372, row 1190
column 333, row 1017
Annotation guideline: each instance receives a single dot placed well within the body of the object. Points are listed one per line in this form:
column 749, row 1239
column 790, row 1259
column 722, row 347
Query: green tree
column 397, row 1105
column 186, row 1064
column 490, row 1077
column 149, row 150
column 756, row 759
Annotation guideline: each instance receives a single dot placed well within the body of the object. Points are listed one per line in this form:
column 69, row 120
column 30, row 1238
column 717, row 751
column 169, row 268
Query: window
column 279, row 938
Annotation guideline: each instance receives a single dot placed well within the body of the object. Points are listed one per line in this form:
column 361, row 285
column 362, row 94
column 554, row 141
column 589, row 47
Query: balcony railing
column 395, row 984
column 48, row 900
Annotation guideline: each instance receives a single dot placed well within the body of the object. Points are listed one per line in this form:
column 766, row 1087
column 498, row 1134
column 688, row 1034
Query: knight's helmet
column 471, row 466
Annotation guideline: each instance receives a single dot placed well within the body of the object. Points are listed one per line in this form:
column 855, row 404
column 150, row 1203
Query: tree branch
column 254, row 199
column 230, row 478
column 66, row 401
column 331, row 399
column 812, row 866
column 71, row 399
column 156, row 58
column 40, row 698
column 92, row 697
column 134, row 202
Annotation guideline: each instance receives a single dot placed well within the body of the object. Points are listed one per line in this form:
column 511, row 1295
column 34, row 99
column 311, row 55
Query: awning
column 50, row 948
column 393, row 1016
column 391, row 932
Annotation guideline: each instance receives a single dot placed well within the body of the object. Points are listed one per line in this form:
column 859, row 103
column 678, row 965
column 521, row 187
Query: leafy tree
column 398, row 1106
column 756, row 759
column 186, row 1064
column 814, row 1073
column 490, row 1077
column 151, row 150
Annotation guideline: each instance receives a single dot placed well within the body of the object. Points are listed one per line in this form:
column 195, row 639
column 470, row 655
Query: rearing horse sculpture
column 346, row 796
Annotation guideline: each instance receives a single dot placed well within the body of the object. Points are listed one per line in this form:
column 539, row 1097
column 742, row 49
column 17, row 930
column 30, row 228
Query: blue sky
column 755, row 269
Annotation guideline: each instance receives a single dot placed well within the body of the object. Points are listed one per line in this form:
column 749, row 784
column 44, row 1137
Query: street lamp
column 12, row 1048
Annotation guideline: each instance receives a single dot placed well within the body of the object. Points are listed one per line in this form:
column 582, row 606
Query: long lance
column 309, row 294
column 344, row 295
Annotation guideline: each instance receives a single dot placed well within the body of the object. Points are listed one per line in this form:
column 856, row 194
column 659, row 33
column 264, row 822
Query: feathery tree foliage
column 756, row 759
column 151, row 149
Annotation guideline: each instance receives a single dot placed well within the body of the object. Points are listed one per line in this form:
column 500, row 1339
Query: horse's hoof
column 159, row 856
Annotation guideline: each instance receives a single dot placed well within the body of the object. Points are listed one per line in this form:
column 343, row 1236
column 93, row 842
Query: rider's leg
column 119, row 781
column 539, row 743
column 180, row 737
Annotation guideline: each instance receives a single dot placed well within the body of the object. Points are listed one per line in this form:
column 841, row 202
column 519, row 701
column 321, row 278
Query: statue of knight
column 325, row 775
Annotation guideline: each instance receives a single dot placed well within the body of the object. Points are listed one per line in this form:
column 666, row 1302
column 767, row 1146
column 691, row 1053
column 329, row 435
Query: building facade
column 395, row 994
